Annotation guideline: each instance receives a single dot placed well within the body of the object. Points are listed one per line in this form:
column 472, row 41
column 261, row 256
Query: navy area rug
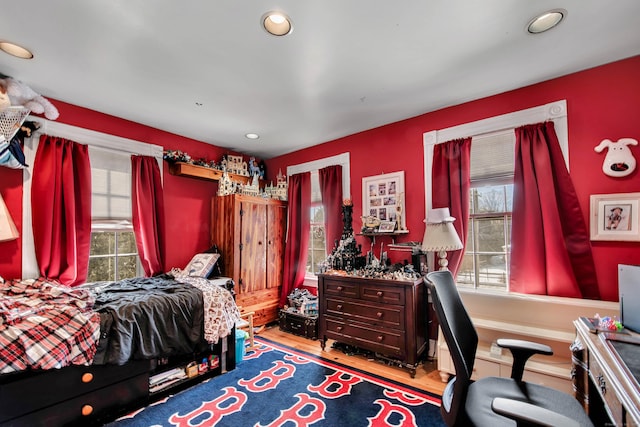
column 276, row 385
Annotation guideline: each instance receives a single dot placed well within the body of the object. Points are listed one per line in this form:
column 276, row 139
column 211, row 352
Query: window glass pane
column 101, row 269
column 490, row 199
column 102, row 243
column 490, row 235
column 492, row 271
column 466, row 273
column 127, row 242
column 127, row 266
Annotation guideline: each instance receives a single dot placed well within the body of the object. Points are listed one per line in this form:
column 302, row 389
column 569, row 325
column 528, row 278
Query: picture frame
column 387, row 227
column 383, row 198
column 615, row 217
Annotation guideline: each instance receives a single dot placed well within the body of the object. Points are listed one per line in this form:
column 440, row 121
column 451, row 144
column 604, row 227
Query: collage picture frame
column 383, row 198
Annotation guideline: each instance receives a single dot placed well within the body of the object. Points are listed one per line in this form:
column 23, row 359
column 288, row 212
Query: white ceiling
column 349, row 65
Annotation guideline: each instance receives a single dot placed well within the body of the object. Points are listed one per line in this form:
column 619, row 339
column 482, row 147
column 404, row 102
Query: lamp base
column 442, row 260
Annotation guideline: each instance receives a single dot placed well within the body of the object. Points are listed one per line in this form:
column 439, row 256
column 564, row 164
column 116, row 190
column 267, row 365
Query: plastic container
column 241, row 336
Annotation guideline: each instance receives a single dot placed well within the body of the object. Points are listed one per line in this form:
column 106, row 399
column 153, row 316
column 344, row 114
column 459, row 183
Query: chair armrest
column 522, row 350
column 528, row 414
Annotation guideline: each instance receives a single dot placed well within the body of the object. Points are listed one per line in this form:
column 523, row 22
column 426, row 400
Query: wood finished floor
column 427, row 377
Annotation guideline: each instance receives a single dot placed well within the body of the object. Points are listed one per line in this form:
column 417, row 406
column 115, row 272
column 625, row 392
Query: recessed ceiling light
column 15, row 50
column 546, row 21
column 252, row 136
column 277, row 23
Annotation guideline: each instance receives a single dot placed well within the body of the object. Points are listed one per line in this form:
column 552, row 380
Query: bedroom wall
column 602, row 102
column 187, row 200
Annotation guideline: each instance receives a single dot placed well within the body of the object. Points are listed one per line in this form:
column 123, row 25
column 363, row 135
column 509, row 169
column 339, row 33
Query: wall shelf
column 373, row 235
column 203, row 172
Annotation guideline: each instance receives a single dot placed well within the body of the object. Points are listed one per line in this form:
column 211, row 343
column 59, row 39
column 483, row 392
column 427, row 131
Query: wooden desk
column 602, row 381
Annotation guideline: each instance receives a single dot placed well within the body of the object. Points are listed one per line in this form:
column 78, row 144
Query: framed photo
column 387, row 227
column 383, row 197
column 615, row 217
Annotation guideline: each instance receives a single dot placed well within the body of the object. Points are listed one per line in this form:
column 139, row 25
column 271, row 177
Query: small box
column 299, row 324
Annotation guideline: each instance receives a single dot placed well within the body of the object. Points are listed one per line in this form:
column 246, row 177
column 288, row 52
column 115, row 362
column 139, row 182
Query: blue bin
column 241, row 336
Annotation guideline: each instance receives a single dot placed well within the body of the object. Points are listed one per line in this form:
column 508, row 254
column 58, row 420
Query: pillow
column 201, row 265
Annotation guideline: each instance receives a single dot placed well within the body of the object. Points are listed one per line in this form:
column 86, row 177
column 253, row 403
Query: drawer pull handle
column 87, row 410
column 603, row 384
column 87, row 377
column 380, row 293
column 339, row 328
column 379, row 314
column 339, row 288
column 339, row 307
column 380, row 338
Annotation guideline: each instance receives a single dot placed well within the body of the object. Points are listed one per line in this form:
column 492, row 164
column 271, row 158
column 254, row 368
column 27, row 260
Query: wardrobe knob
column 87, row 410
column 87, row 377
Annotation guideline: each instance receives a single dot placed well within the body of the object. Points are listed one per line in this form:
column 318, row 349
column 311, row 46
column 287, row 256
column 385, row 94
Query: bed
column 83, row 355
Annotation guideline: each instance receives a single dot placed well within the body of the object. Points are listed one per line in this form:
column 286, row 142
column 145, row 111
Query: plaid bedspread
column 44, row 325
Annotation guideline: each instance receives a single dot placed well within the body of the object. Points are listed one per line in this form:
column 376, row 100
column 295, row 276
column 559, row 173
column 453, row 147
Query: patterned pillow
column 200, row 265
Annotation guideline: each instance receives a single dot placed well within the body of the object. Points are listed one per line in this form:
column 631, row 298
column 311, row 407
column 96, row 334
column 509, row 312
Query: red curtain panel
column 451, row 183
column 296, row 248
column 147, row 204
column 61, row 203
column 550, row 247
column 331, row 190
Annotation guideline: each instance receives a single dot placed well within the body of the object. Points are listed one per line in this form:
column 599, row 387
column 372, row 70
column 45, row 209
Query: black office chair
column 493, row 401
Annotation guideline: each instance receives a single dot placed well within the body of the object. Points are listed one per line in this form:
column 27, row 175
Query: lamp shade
column 441, row 237
column 8, row 230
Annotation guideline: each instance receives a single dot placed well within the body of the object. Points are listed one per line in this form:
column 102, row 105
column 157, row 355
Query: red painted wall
column 602, row 102
column 187, row 200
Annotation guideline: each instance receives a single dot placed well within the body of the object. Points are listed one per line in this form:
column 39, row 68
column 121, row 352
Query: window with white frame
column 485, row 264
column 318, row 246
column 113, row 254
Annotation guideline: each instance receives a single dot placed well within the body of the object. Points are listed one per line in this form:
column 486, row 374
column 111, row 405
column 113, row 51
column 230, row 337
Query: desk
column 602, row 381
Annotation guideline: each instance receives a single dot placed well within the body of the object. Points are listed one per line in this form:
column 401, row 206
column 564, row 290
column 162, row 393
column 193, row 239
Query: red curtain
column 550, row 247
column 61, row 203
column 147, row 204
column 451, row 183
column 295, row 256
column 331, row 190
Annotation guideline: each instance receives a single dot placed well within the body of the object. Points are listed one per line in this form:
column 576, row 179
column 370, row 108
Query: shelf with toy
column 203, row 172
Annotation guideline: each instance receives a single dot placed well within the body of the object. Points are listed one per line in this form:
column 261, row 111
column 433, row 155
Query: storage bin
column 241, row 336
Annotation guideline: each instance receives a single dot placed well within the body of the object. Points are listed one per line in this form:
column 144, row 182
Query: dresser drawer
column 340, row 288
column 88, row 409
column 29, row 391
column 379, row 315
column 382, row 294
column 387, row 342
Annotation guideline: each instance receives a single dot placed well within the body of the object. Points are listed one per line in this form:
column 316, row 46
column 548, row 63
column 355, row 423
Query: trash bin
column 241, row 336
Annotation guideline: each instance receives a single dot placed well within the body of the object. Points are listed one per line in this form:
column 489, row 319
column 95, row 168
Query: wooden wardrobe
column 250, row 233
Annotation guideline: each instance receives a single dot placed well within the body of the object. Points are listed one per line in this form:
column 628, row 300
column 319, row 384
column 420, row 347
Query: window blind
column 493, row 155
column 111, row 184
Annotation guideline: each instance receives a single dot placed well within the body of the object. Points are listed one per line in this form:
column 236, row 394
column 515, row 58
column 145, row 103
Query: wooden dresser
column 387, row 317
column 250, row 233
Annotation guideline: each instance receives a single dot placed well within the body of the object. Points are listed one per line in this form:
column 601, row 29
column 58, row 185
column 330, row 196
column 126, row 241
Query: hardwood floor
column 427, row 377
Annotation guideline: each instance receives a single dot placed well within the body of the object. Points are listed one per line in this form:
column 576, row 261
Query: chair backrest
column 461, row 338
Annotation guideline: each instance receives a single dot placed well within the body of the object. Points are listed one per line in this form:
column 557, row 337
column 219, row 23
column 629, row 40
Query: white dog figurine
column 619, row 160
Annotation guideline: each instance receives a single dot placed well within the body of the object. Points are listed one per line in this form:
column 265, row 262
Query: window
column 317, row 241
column 485, row 264
column 113, row 254
column 317, row 250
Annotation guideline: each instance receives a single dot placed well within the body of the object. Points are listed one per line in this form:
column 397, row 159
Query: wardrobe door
column 253, row 250
column 276, row 229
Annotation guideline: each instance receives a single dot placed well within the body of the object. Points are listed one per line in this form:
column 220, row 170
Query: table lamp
column 440, row 235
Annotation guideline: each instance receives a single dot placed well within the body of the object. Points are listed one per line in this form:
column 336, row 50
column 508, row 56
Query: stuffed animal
column 21, row 94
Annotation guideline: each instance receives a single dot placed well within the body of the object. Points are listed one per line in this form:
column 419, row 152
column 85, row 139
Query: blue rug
column 276, row 385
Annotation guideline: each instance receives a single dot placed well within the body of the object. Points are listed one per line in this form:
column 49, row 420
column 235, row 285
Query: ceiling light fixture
column 252, row 136
column 546, row 21
column 15, row 50
column 277, row 23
